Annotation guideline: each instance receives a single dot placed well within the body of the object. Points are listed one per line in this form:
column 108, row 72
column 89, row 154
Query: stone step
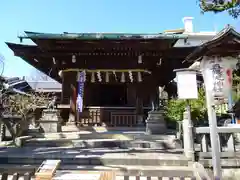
column 74, row 128
column 101, row 143
column 169, row 171
column 121, row 135
column 93, row 157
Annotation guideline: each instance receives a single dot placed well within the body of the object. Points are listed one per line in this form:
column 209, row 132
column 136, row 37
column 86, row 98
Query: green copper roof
column 223, row 38
column 97, row 36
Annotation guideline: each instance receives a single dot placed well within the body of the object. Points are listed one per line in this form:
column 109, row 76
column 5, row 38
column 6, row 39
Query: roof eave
column 101, row 36
column 198, row 52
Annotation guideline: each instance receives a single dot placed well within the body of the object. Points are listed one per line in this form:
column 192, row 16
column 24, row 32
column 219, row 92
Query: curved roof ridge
column 228, row 30
column 91, row 36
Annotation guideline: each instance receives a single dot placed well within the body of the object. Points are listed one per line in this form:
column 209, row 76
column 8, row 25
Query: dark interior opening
column 107, row 95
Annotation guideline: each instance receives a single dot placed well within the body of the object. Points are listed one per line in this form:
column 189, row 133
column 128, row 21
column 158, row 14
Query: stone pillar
column 188, row 142
column 155, row 123
column 50, row 121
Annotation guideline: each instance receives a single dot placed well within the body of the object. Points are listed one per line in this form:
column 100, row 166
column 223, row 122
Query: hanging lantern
column 140, row 59
column 130, row 76
column 115, row 75
column 186, row 84
column 54, row 60
column 159, row 62
column 139, row 77
column 73, row 58
column 93, row 77
column 107, row 77
column 99, row 76
column 60, row 73
column 123, row 77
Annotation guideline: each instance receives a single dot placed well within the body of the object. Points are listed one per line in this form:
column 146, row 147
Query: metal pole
column 215, row 145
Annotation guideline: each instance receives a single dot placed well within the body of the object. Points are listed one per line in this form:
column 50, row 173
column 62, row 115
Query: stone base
column 50, row 121
column 155, row 123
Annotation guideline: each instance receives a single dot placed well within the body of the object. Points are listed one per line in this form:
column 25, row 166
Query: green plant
column 236, row 85
column 216, row 6
column 176, row 107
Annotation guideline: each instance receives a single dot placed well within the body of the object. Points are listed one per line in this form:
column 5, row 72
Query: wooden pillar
column 131, row 94
column 139, row 105
column 68, row 94
column 65, row 85
column 68, row 81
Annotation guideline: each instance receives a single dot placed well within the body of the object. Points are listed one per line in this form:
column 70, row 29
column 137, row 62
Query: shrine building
column 122, row 71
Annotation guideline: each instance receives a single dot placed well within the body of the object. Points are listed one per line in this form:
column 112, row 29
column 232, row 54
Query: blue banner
column 81, row 80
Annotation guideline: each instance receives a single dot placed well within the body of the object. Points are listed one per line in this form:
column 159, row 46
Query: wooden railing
column 92, row 118
column 123, row 119
column 47, row 169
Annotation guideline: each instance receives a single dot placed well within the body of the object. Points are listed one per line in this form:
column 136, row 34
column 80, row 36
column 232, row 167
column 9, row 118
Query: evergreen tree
column 232, row 6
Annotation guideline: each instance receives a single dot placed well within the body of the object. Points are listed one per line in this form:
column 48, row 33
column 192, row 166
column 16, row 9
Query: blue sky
column 59, row 16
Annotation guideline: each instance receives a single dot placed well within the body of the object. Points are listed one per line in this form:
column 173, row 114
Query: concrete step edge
column 96, row 161
column 97, row 140
column 90, row 158
column 91, row 135
column 105, row 154
column 79, row 167
column 120, row 170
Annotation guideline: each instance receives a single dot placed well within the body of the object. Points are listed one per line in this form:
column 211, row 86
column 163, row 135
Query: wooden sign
column 47, row 169
column 87, row 175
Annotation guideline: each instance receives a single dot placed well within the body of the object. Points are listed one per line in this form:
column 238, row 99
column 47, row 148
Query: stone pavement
column 64, row 152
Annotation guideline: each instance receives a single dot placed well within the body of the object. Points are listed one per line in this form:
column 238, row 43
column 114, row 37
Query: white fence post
column 188, row 142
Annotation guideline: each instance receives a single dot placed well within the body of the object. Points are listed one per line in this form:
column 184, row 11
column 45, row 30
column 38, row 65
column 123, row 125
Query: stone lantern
column 187, row 89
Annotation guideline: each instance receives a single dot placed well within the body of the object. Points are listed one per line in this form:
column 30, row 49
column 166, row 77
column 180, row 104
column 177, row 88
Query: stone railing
column 198, row 173
column 16, row 176
column 226, row 139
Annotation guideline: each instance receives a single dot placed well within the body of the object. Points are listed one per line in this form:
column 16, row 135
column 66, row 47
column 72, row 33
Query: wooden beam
column 29, row 50
column 158, row 44
column 46, row 68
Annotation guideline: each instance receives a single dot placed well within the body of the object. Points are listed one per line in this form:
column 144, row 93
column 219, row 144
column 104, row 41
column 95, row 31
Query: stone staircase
column 126, row 152
column 100, row 138
column 154, row 163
